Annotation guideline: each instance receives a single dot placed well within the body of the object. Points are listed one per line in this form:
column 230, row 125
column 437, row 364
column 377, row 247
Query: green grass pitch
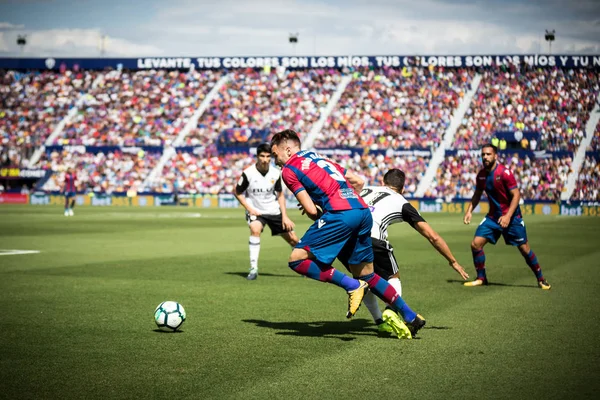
column 77, row 318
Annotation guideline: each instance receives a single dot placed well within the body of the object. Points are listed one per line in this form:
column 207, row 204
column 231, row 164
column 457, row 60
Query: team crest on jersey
column 497, row 178
column 272, row 181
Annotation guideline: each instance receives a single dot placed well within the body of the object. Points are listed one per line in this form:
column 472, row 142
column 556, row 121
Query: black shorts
column 384, row 264
column 275, row 222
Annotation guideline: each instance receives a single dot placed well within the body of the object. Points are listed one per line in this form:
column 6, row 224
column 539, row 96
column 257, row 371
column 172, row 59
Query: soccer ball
column 169, row 316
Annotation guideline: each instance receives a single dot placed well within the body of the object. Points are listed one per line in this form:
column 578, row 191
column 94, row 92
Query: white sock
column 254, row 246
column 370, row 301
column 396, row 284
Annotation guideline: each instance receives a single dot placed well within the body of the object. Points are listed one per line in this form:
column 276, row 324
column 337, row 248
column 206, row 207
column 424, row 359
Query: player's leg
column 72, row 205
column 314, row 254
column 361, row 265
column 516, row 235
column 256, row 227
column 275, row 223
column 488, row 231
column 66, row 204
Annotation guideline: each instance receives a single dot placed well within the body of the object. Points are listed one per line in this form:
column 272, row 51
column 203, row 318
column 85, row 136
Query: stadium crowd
column 140, row 108
column 554, row 102
column 395, row 108
column 538, row 178
column 381, row 108
column 107, row 172
column 587, row 187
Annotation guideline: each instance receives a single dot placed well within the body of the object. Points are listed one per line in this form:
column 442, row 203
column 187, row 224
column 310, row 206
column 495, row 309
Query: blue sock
column 324, row 273
column 532, row 261
column 386, row 292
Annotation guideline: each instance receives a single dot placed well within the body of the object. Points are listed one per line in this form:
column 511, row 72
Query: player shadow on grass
column 245, row 274
column 342, row 330
column 495, row 284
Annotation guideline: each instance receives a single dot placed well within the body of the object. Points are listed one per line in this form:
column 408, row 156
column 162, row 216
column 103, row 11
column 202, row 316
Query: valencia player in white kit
column 259, row 191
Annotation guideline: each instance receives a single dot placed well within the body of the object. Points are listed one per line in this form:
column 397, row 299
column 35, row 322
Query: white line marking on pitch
column 17, row 252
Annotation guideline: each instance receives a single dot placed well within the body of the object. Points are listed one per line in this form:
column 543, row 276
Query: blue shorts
column 343, row 234
column 514, row 234
column 68, row 195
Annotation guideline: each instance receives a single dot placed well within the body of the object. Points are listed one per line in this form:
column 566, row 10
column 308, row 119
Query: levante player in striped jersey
column 503, row 219
column 328, row 194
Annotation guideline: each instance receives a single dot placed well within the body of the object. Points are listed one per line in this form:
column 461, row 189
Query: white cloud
column 8, row 25
column 75, row 42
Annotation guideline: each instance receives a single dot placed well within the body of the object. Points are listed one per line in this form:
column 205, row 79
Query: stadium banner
column 344, row 61
column 14, row 198
column 20, row 173
column 460, row 207
column 578, row 209
column 352, row 151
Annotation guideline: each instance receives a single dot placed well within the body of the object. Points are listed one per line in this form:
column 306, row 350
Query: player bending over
column 388, row 206
column 342, row 228
column 504, row 217
column 259, row 191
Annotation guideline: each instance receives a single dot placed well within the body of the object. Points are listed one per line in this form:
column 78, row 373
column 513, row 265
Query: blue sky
column 325, row 27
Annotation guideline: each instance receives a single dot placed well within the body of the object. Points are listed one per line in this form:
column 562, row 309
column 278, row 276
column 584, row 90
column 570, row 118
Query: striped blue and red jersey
column 497, row 184
column 323, row 180
column 70, row 182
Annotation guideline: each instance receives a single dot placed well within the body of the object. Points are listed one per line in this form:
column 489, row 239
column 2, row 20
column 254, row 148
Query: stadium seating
column 554, row 102
column 587, row 187
column 395, row 108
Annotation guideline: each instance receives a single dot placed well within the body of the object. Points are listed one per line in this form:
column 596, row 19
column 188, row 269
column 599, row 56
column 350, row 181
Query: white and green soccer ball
column 169, row 316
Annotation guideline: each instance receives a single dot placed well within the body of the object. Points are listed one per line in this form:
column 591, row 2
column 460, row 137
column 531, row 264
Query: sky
column 198, row 28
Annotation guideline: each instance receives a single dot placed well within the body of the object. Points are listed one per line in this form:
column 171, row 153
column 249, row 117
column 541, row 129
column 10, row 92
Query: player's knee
column 476, row 246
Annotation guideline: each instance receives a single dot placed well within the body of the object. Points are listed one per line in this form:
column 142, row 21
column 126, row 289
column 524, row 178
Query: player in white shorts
column 259, row 191
column 388, row 206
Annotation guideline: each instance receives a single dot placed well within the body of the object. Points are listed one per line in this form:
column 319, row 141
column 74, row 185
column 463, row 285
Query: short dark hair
column 494, row 148
column 263, row 148
column 285, row 135
column 395, row 178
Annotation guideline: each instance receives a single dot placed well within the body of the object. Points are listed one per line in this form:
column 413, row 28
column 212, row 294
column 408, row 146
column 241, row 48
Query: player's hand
column 301, row 209
column 467, row 218
column 503, row 221
column 458, row 268
column 287, row 223
column 254, row 212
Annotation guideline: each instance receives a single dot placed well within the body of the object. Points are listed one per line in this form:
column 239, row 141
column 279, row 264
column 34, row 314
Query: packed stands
column 538, row 178
column 110, row 171
column 137, row 108
column 395, row 108
column 32, row 104
column 555, row 102
column 587, row 187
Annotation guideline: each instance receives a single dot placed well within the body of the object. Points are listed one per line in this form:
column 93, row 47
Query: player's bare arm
column 474, row 201
column 356, row 181
column 287, row 223
column 242, row 199
column 309, row 207
column 504, row 220
column 441, row 246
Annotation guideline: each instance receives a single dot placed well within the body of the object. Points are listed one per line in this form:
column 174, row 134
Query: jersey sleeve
column 509, row 179
column 278, row 188
column 411, row 215
column 291, row 181
column 242, row 184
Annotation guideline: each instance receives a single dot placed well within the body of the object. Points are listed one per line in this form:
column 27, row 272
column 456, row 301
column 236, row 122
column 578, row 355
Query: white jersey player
column 259, row 191
column 388, row 206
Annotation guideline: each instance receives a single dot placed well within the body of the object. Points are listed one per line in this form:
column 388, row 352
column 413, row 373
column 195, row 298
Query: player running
column 342, row 228
column 388, row 206
column 69, row 191
column 259, row 191
column 504, row 217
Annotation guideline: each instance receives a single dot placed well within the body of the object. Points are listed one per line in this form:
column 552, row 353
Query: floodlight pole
column 550, row 37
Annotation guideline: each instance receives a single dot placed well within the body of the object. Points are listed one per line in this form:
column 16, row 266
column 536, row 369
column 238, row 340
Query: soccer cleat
column 66, row 213
column 252, row 275
column 416, row 325
column 399, row 328
column 544, row 285
column 476, row 282
column 71, row 212
column 384, row 329
column 355, row 298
